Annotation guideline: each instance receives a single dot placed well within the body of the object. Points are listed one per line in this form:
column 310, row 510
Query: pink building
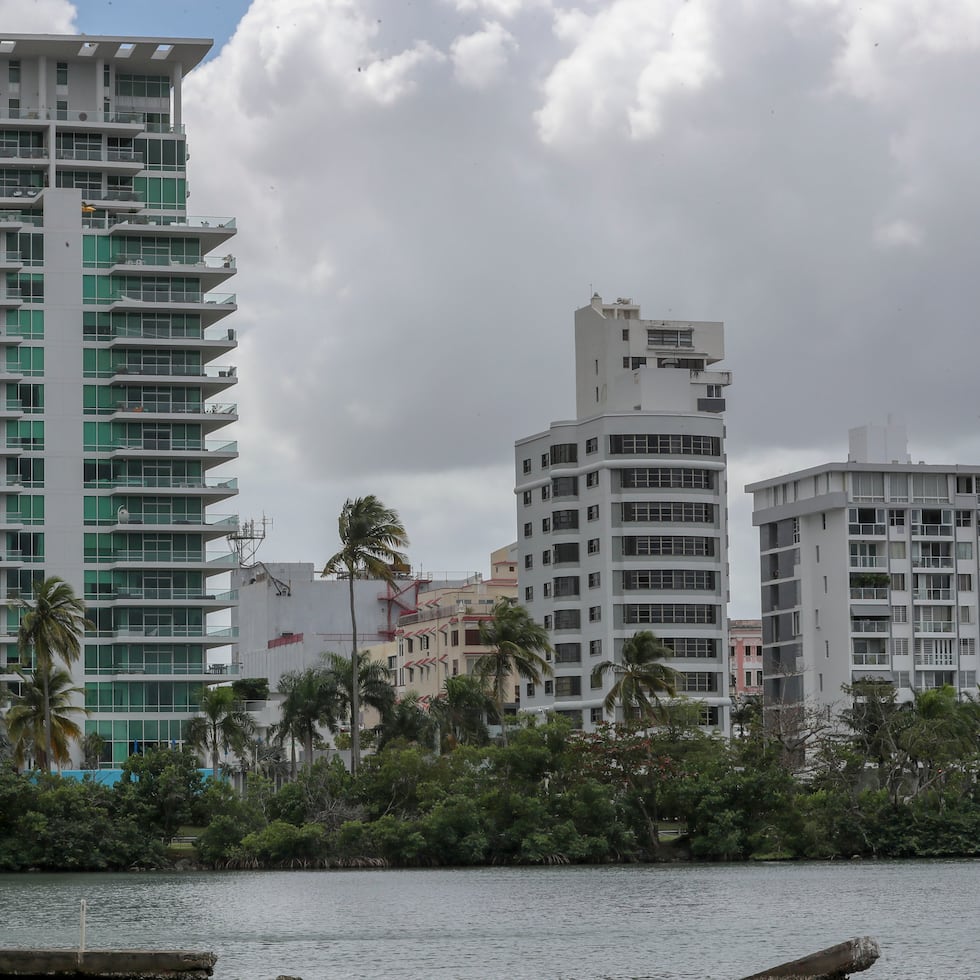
column 745, row 638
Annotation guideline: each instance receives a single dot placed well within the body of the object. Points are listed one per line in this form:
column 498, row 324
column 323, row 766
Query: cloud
column 627, row 60
column 38, row 17
column 897, row 234
column 479, row 59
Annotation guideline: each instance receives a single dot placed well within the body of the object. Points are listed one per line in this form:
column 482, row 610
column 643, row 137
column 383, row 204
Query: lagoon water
column 661, row 922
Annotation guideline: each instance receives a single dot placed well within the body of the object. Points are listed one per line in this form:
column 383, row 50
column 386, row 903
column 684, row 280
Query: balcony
column 210, row 231
column 933, row 595
column 870, row 625
column 865, row 593
column 211, row 270
column 932, row 561
column 125, row 669
column 160, row 335
column 866, row 529
column 110, row 161
column 934, row 626
column 11, row 260
column 11, row 296
column 868, row 561
column 211, row 306
column 129, row 122
column 125, row 594
column 932, row 530
column 20, row 192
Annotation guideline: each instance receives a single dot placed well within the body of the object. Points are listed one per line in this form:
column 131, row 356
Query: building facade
column 115, row 388
column 745, row 657
column 621, row 512
column 868, row 572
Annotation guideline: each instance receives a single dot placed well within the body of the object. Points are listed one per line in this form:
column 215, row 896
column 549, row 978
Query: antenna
column 246, row 538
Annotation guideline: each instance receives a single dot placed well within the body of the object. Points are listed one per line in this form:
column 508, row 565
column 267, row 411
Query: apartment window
column 964, row 549
column 568, row 619
column 592, row 479
column 546, row 524
column 896, row 518
column 546, row 590
column 564, row 486
column 748, row 678
column 568, row 653
column 714, row 391
column 529, row 593
column 565, row 452
column 670, row 338
column 454, row 638
column 526, row 465
column 566, row 585
column 964, row 583
column 898, row 581
column 595, row 682
column 896, row 549
column 964, row 518
column 593, row 580
column 900, row 646
column 546, row 493
column 626, row 333
column 596, row 716
column 664, row 445
column 823, row 522
column 968, row 647
column 527, row 498
column 549, row 687
column 595, row 648
column 591, row 445
column 667, row 478
column 796, row 624
column 528, row 530
column 13, row 72
column 966, row 614
column 668, row 578
column 668, row 512
column 900, row 614
column 592, row 513
column 565, row 520
column 567, row 551
column 529, row 561
column 656, row 613
column 13, row 108
column 593, row 546
column 61, row 108
column 796, row 530
column 548, row 620
column 545, row 557
column 758, row 678
column 106, row 79
column 544, row 460
column 61, row 73
column 566, row 687
column 964, row 484
column 595, row 614
column 530, row 690
column 626, row 362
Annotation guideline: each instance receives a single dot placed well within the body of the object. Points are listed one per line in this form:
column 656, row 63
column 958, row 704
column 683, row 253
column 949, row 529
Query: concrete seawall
column 111, row 964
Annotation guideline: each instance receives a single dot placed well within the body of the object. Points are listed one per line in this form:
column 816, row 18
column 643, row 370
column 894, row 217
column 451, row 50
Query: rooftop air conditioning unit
column 83, row 116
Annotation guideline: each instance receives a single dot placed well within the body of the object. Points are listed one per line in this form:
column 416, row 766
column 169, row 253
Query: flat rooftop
column 150, row 55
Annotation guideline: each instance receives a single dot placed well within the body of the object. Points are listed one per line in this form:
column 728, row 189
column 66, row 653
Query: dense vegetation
column 885, row 781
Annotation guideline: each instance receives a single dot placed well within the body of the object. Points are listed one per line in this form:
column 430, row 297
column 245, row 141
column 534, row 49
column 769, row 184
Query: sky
column 427, row 189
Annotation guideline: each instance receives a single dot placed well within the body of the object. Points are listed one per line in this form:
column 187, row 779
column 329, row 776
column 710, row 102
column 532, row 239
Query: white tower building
column 622, row 518
column 869, row 572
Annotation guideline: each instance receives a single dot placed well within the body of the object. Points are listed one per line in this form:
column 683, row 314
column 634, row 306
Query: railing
column 172, row 296
column 21, row 218
column 869, row 593
column 870, row 659
column 180, row 408
column 24, row 152
column 11, row 258
column 166, row 482
column 933, row 626
column 867, row 561
column 100, row 156
column 167, row 371
column 36, row 113
column 930, row 594
column 931, row 561
column 178, row 445
column 935, row 660
column 866, row 529
column 122, row 593
column 200, row 521
column 20, row 191
column 869, row 625
column 180, row 670
column 164, row 262
column 180, row 222
column 933, row 530
column 171, row 629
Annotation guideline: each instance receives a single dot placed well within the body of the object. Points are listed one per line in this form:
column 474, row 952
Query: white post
column 81, row 936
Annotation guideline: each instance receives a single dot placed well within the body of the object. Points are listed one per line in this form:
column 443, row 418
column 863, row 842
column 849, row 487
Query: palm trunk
column 308, row 748
column 355, row 688
column 500, row 704
column 48, row 747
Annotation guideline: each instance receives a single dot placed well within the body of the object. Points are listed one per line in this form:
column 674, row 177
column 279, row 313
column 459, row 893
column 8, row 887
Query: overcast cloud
column 427, row 191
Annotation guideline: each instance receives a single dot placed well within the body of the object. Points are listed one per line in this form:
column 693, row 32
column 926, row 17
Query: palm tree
column 461, row 710
column 408, row 720
column 309, row 701
column 222, row 726
column 516, row 644
column 39, row 720
column 373, row 687
column 370, row 536
column 51, row 626
column 641, row 677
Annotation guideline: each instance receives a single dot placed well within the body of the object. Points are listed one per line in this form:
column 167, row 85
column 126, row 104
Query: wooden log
column 834, row 963
column 106, row 964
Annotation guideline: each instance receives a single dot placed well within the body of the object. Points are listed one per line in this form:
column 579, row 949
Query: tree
column 461, row 710
column 93, row 748
column 309, row 700
column 640, row 678
column 371, row 687
column 40, row 722
column 370, row 536
column 517, row 644
column 408, row 721
column 51, row 627
column 222, row 726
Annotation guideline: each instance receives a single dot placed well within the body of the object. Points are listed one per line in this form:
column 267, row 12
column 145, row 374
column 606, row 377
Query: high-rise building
column 622, row 518
column 114, row 388
column 869, row 572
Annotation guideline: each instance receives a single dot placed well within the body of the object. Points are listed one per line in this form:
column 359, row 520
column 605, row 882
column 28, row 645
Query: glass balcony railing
column 933, row 626
column 91, row 116
column 930, row 595
column 869, row 625
column 179, row 222
column 869, row 594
